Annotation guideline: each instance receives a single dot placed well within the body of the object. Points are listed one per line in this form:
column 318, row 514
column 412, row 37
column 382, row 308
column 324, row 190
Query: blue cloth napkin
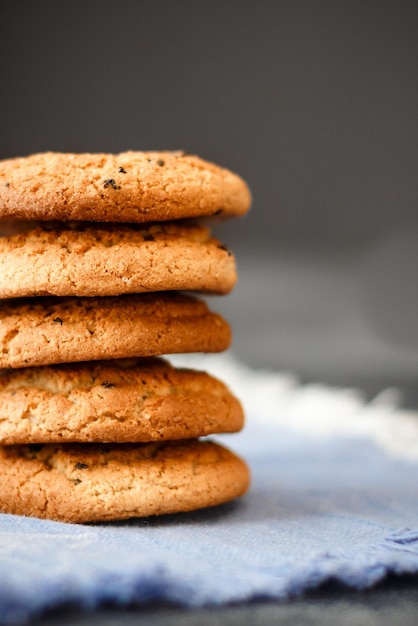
column 320, row 508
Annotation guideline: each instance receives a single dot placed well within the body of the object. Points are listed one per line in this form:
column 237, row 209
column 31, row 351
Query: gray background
column 314, row 103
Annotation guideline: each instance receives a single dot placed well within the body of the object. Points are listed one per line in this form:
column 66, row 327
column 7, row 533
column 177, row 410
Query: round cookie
column 135, row 400
column 43, row 331
column 125, row 187
column 97, row 482
column 79, row 259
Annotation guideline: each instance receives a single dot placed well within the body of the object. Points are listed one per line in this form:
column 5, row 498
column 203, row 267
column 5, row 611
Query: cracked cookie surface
column 134, row 400
column 126, row 187
column 80, row 259
column 44, row 331
column 97, row 482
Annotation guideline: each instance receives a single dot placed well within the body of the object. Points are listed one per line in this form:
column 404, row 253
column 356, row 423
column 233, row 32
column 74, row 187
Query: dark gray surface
column 395, row 602
column 311, row 313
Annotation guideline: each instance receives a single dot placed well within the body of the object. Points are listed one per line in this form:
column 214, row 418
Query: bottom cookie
column 96, row 482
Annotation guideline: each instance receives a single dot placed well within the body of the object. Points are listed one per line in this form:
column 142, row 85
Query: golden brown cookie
column 43, row 331
column 125, row 187
column 108, row 259
column 113, row 401
column 94, row 482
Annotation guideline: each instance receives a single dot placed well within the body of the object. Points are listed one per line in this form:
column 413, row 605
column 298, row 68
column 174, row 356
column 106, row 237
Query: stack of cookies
column 97, row 253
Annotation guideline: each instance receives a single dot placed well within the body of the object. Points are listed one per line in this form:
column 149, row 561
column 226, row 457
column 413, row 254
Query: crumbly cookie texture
column 79, row 259
column 95, row 482
column 134, row 400
column 125, row 187
column 44, row 331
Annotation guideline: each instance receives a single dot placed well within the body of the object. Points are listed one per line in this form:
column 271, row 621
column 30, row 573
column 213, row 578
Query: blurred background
column 314, row 103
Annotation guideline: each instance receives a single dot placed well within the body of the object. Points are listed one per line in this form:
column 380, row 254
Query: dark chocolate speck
column 225, row 248
column 58, row 320
column 107, row 384
column 110, row 182
column 122, row 170
column 160, row 162
column 79, row 465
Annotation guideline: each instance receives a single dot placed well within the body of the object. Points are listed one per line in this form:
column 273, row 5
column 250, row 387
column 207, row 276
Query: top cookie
column 125, row 187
